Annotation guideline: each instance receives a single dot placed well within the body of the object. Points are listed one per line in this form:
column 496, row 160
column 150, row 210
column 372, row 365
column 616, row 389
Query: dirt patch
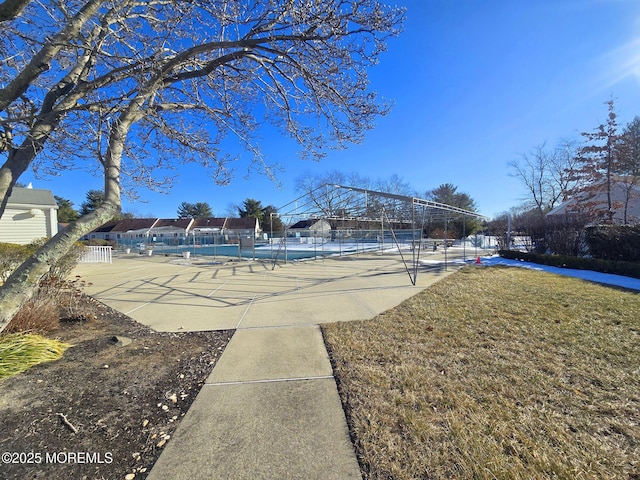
column 125, row 401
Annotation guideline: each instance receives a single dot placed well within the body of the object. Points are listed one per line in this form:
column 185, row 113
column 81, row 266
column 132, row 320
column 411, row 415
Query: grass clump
column 495, row 373
column 57, row 297
column 53, row 302
column 20, row 351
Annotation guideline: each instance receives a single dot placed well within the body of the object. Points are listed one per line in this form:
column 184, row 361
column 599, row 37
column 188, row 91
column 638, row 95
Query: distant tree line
column 330, row 202
column 325, row 199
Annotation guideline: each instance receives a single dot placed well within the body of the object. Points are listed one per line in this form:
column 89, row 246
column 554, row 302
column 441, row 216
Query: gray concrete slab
column 167, row 317
column 273, row 430
column 164, row 292
column 273, row 354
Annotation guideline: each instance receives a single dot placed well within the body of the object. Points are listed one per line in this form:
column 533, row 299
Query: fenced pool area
column 294, row 248
column 281, row 251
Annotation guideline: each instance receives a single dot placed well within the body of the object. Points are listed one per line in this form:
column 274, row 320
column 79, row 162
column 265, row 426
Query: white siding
column 52, row 221
column 23, row 226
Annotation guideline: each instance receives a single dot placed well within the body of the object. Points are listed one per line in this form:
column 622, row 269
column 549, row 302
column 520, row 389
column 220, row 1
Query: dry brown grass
column 40, row 314
column 53, row 302
column 496, row 373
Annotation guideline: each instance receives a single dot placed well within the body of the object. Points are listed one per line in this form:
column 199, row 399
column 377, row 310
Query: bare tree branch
column 129, row 87
column 543, row 172
column 40, row 62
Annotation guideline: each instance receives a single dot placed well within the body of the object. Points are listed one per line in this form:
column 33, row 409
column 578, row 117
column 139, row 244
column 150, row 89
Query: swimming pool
column 293, row 251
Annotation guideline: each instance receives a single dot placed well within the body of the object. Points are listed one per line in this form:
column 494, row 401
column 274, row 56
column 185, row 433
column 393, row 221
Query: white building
column 310, row 228
column 174, row 231
column 31, row 214
column 625, row 200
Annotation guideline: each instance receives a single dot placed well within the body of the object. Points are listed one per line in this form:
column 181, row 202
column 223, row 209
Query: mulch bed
column 124, row 402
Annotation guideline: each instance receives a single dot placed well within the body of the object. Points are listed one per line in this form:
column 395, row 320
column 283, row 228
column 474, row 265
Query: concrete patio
column 270, row 409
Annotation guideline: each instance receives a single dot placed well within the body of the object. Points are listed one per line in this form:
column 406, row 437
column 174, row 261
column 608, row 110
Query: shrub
column 564, row 235
column 60, row 270
column 99, row 242
column 40, row 314
column 614, row 242
column 629, row 269
column 11, row 256
column 56, row 296
column 62, row 267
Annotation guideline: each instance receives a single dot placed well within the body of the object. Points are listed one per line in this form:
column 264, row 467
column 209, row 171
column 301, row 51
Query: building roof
column 595, row 203
column 107, row 227
column 305, row 224
column 141, row 224
column 32, row 196
column 173, row 222
column 208, row 223
column 127, row 224
column 246, row 223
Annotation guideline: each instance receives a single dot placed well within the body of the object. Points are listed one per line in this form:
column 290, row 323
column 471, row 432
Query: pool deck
column 270, row 409
column 173, row 294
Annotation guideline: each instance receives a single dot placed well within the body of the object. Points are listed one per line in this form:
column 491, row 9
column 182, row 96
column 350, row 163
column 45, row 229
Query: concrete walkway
column 270, row 409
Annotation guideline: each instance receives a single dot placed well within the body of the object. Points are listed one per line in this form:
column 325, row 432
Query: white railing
column 96, row 255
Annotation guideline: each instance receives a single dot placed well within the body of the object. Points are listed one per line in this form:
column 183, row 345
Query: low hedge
column 628, row 269
column 13, row 255
column 99, row 242
column 614, row 242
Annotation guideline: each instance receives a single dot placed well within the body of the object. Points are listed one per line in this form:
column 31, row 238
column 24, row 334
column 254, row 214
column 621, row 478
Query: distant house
column 170, row 230
column 119, row 230
column 174, row 231
column 346, row 228
column 30, row 214
column 244, row 227
column 625, row 199
column 207, row 228
column 310, row 228
column 208, row 225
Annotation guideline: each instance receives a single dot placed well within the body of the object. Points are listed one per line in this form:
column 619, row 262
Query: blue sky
column 475, row 85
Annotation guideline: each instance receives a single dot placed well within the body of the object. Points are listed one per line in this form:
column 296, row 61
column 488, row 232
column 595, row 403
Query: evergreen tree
column 596, row 164
column 194, row 210
column 630, row 149
column 66, row 212
column 270, row 220
column 448, row 194
column 94, row 199
column 266, row 215
column 252, row 208
column 629, row 165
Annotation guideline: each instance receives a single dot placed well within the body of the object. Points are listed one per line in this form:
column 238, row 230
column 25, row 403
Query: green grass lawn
column 495, row 372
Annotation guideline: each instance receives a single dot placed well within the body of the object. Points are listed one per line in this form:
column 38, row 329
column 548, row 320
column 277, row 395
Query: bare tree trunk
column 121, row 69
column 23, row 283
column 10, row 9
